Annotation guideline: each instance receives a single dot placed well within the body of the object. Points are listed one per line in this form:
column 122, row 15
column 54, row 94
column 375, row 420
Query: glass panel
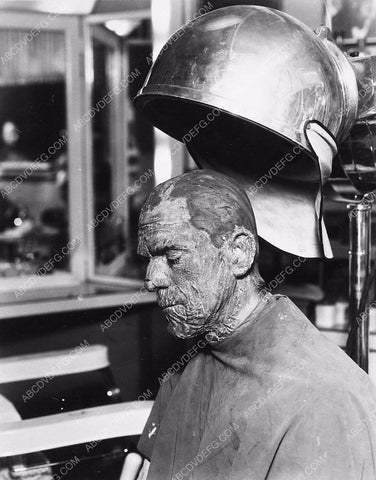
column 33, row 155
column 123, row 144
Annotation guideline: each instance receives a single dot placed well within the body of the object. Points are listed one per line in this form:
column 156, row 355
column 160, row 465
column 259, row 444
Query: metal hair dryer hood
column 268, row 74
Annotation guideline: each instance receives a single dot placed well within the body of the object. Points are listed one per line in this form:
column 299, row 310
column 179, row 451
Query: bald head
column 208, row 200
column 198, row 232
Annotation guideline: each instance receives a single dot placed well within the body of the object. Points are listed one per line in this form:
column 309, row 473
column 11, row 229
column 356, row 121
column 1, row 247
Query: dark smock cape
column 275, row 401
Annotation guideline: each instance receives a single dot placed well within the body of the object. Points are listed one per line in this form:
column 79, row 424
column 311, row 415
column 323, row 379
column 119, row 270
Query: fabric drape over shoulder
column 276, row 401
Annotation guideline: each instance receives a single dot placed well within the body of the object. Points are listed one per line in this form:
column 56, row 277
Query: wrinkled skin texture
column 194, row 272
column 191, row 276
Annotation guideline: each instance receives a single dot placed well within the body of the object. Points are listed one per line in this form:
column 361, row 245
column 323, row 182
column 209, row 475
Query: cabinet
column 41, row 238
column 76, row 160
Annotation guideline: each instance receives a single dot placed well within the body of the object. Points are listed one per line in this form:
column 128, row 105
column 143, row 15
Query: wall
column 311, row 12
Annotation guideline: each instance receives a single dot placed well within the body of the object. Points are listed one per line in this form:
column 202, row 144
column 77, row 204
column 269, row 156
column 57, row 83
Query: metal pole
column 359, row 270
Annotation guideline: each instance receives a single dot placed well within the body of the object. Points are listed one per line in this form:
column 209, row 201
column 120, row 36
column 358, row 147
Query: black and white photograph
column 352, row 19
column 187, row 240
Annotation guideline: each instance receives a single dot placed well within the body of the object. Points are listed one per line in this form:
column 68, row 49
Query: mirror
column 122, row 142
column 34, row 224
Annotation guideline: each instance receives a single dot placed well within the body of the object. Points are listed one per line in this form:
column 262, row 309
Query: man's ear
column 241, row 250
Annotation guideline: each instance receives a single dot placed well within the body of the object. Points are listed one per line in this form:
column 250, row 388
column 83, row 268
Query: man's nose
column 157, row 275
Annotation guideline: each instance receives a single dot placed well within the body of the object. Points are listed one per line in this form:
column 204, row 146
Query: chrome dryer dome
column 267, row 72
column 240, row 86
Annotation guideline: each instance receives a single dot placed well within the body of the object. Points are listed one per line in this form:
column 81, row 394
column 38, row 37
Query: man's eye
column 173, row 258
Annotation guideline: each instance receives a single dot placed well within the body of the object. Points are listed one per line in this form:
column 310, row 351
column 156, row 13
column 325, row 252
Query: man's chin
column 182, row 332
column 181, row 326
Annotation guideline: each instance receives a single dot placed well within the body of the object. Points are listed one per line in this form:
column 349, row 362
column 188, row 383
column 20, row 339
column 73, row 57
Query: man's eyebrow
column 162, row 249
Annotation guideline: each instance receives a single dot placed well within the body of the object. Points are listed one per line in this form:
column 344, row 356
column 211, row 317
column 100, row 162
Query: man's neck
column 237, row 312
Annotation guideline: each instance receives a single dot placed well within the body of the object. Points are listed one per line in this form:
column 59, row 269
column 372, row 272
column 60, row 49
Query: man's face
column 192, row 278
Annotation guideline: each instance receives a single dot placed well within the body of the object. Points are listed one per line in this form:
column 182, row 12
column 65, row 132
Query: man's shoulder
column 306, row 396
column 300, row 339
column 302, row 363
